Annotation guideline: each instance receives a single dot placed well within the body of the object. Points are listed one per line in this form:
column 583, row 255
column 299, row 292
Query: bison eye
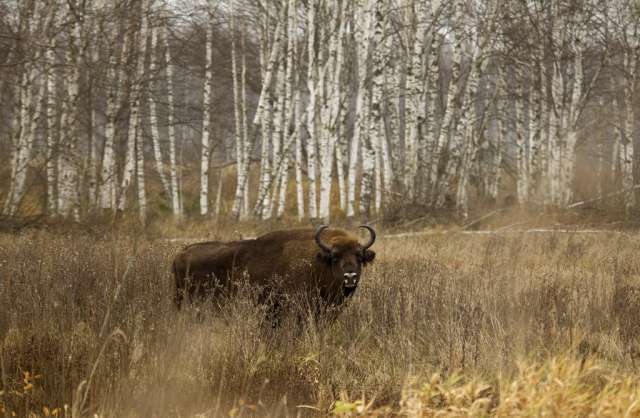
column 366, row 256
column 325, row 257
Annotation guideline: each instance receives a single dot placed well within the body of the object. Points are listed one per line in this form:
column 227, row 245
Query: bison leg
column 274, row 313
column 180, row 283
column 178, row 298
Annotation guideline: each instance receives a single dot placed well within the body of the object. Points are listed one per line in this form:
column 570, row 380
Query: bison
column 324, row 265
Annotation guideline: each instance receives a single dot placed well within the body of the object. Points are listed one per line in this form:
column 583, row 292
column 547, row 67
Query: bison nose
column 350, row 279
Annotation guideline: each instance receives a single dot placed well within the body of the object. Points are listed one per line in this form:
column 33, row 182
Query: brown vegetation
column 468, row 308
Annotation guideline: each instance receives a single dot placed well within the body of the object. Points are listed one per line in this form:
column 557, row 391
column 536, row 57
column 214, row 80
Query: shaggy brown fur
column 287, row 262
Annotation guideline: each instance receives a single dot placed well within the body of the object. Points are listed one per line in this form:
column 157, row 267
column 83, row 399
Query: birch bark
column 378, row 132
column 312, row 82
column 138, row 127
column 107, row 195
column 363, row 29
column 626, row 145
column 290, row 112
column 67, row 168
column 238, row 134
column 298, row 164
column 52, row 136
column 130, row 153
column 330, row 110
column 442, row 138
column 414, row 111
column 173, row 172
column 153, row 114
column 206, row 124
column 25, row 137
column 260, row 121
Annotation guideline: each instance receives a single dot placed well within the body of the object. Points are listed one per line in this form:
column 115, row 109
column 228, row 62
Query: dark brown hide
column 286, row 262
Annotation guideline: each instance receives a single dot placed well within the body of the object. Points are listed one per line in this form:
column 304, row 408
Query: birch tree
column 312, row 82
column 626, row 34
column 239, row 134
column 206, row 118
column 414, row 111
column 330, row 109
column 32, row 17
column 173, row 172
column 363, row 36
column 70, row 124
column 261, row 121
column 153, row 110
column 52, row 124
column 290, row 105
column 378, row 131
column 107, row 198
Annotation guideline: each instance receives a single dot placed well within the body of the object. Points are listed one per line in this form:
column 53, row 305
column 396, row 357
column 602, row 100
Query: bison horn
column 372, row 232
column 319, row 241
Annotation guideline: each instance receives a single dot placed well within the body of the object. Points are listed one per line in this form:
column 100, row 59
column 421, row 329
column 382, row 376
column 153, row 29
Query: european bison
column 325, row 264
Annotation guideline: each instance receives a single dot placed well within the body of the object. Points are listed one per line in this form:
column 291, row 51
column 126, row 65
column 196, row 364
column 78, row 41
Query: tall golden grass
column 453, row 325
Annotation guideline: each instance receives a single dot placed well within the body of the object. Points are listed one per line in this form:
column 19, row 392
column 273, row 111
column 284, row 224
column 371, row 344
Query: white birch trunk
column 368, row 162
column 92, row 57
column 140, row 179
column 206, row 122
column 496, row 161
column 626, row 146
column 129, row 161
column 107, row 196
column 522, row 182
column 363, row 28
column 556, row 116
column 263, row 121
column 248, row 145
column 67, row 168
column 173, row 172
column 276, row 145
column 298, row 163
column 238, row 134
column 448, row 112
column 618, row 128
column 27, row 113
column 414, row 110
column 312, row 81
column 138, row 127
column 330, row 113
column 535, row 112
column 378, row 132
column 393, row 85
column 24, row 145
column 290, row 111
column 153, row 113
column 51, row 141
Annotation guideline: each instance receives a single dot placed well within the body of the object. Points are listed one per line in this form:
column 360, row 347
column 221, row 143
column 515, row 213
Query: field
column 442, row 325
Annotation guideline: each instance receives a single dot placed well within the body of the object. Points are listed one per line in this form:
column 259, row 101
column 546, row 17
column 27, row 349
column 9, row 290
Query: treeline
column 369, row 103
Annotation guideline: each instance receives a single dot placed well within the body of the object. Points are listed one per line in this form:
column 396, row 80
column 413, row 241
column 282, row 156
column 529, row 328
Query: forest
column 312, row 109
column 487, row 148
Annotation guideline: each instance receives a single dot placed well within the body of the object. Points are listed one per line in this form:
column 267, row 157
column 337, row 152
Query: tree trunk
column 173, row 171
column 206, row 122
column 153, row 115
column 363, row 29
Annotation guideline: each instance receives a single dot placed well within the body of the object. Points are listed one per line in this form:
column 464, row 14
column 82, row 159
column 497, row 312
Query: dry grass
column 451, row 325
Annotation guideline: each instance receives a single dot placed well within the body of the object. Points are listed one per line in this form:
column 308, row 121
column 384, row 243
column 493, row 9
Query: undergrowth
column 446, row 325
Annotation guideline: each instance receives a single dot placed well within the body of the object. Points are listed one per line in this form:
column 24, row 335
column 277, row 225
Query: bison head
column 346, row 256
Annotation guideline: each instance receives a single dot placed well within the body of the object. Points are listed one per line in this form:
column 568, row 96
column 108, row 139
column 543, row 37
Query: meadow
column 441, row 325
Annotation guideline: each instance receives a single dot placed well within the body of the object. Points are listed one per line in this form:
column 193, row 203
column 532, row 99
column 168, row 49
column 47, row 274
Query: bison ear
column 324, row 257
column 368, row 256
